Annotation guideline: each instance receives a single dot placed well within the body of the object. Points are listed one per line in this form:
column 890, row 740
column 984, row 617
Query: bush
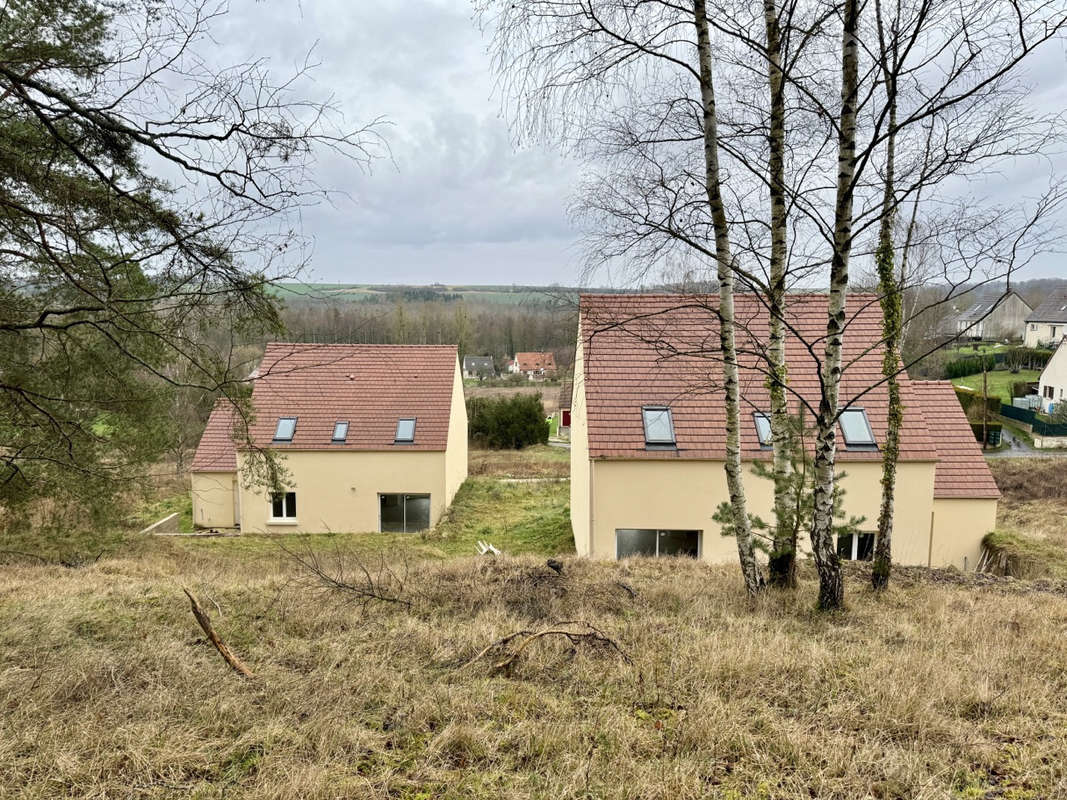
column 507, row 423
column 969, row 366
column 972, row 404
column 1020, row 389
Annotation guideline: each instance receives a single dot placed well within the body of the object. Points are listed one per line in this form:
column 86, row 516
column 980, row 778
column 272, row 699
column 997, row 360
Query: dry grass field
column 1032, row 518
column 946, row 687
column 549, row 393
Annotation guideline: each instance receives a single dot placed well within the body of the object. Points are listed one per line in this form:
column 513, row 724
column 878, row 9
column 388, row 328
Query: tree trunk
column 750, row 568
column 892, row 318
column 782, row 565
column 831, row 588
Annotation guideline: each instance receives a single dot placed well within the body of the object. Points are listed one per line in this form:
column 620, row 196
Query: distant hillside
column 372, row 293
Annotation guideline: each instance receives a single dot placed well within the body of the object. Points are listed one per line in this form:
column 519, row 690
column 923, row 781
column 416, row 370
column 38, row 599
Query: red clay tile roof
column 369, row 386
column 216, row 451
column 623, row 372
column 532, row 362
column 961, row 469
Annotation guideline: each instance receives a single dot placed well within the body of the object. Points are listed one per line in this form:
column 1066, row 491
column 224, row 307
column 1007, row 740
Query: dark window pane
column 659, row 427
column 405, row 430
column 844, row 545
column 679, row 543
column 417, row 512
column 286, row 428
column 763, row 429
column 290, row 504
column 866, row 547
column 855, row 426
column 276, row 509
column 634, row 542
column 392, row 513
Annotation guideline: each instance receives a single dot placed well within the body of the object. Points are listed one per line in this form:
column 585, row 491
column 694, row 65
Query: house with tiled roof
column 1052, row 383
column 565, row 392
column 478, row 367
column 1047, row 324
column 987, row 312
column 648, row 432
column 534, row 365
column 370, row 438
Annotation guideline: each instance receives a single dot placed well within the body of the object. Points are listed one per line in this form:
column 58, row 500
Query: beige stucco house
column 1047, row 324
column 372, row 438
column 1052, row 385
column 648, row 433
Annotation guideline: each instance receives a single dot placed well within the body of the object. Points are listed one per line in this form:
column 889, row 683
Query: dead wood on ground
column 205, row 623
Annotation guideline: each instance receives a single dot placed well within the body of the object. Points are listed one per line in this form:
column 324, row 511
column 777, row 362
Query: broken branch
column 224, row 651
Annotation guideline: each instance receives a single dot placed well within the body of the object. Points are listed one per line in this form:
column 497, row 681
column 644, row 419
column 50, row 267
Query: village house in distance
column 1047, row 325
column 374, row 438
column 987, row 312
column 648, row 434
column 535, row 366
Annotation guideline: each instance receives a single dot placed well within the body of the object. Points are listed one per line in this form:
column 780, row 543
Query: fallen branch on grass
column 593, row 637
column 224, row 651
column 363, row 587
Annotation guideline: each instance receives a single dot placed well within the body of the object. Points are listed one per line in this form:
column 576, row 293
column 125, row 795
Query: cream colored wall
column 1054, row 375
column 338, row 491
column 666, row 494
column 580, row 466
column 213, row 496
column 456, row 454
column 959, row 526
column 1043, row 335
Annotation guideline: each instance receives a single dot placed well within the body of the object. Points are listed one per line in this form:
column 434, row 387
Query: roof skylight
column 659, row 425
column 285, row 429
column 405, row 429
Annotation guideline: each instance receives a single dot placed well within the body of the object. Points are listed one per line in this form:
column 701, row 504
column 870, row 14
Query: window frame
column 334, row 439
column 854, row 556
column 278, row 425
column 399, row 422
column 862, row 445
column 658, row 531
column 404, row 497
column 288, row 501
column 659, row 444
column 769, row 442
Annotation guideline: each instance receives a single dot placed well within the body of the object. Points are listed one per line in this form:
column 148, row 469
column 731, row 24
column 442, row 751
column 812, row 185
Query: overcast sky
column 459, row 203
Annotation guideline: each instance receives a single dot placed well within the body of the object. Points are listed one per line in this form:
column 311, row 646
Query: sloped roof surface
column 983, row 301
column 481, row 362
column 961, row 469
column 565, row 392
column 368, row 386
column 1053, row 308
column 661, row 349
column 216, row 451
column 529, row 362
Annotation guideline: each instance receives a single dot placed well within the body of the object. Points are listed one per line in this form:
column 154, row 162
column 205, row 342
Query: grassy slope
column 110, row 689
column 1000, row 382
column 1032, row 518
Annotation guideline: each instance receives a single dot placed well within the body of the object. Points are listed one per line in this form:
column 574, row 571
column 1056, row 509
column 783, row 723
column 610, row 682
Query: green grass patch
column 999, row 382
column 1022, row 556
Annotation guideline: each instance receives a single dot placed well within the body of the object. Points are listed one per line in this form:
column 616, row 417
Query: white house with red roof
column 371, row 438
column 534, row 365
column 648, row 432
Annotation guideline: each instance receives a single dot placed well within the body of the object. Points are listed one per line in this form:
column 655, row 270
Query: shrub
column 969, row 366
column 507, row 423
column 972, row 404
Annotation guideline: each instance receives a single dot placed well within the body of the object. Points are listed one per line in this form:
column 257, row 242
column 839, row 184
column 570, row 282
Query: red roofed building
column 648, row 432
column 373, row 437
column 535, row 366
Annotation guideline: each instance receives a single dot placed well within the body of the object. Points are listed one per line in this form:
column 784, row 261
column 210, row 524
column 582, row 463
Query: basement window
column 659, row 426
column 763, row 429
column 405, row 430
column 283, row 507
column 340, row 432
column 856, row 428
column 856, row 546
column 657, row 543
column 285, row 429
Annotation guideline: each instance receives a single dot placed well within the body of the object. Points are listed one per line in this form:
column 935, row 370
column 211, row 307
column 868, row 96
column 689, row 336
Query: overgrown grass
column 539, row 461
column 109, row 688
column 999, row 382
column 1032, row 518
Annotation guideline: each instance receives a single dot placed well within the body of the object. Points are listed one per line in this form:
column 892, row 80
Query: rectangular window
column 659, row 426
column 405, row 430
column 340, row 431
column 403, row 513
column 283, row 505
column 763, row 429
column 285, row 430
column 856, row 428
column 856, row 546
column 1047, row 392
column 648, row 542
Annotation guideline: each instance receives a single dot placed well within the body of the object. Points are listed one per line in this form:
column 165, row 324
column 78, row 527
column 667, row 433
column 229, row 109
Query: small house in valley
column 1047, row 324
column 1052, row 385
column 535, row 365
column 370, row 438
column 478, row 367
column 565, row 392
column 987, row 312
column 648, row 433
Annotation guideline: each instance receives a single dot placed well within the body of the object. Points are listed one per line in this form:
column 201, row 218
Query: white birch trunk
column 735, row 484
